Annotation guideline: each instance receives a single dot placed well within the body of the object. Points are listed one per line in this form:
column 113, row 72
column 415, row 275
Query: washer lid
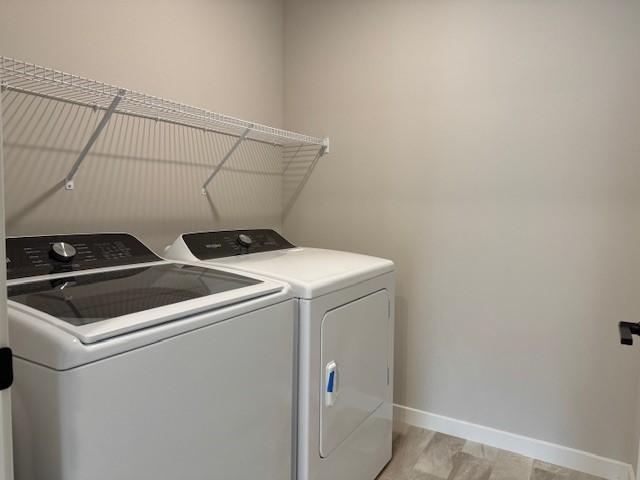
column 96, row 306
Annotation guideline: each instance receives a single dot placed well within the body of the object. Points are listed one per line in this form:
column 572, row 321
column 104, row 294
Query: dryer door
column 355, row 343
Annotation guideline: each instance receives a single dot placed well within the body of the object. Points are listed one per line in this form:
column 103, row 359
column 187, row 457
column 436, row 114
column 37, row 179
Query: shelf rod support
column 224, row 159
column 68, row 180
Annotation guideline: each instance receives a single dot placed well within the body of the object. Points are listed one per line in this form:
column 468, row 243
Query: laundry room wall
column 491, row 149
column 142, row 177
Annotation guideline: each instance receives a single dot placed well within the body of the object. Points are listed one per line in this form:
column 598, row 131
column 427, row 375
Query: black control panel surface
column 42, row 255
column 208, row 245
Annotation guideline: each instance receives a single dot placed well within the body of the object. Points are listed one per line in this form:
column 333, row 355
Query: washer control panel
column 42, row 255
column 208, row 245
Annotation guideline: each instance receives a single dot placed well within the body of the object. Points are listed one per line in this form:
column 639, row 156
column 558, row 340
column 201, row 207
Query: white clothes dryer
column 345, row 307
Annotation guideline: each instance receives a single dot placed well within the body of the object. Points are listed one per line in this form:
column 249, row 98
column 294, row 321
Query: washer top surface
column 95, row 287
column 311, row 272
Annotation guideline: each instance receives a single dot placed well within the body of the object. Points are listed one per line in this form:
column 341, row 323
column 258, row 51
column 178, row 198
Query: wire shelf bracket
column 68, row 180
column 224, row 159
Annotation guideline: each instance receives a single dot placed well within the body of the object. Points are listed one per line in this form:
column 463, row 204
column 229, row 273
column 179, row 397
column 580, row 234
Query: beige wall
column 492, row 150
column 224, row 55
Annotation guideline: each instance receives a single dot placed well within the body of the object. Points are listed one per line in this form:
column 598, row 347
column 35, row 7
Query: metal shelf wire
column 31, row 79
column 46, row 82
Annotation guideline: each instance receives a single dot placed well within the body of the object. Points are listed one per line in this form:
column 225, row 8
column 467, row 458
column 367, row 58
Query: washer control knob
column 244, row 240
column 63, row 251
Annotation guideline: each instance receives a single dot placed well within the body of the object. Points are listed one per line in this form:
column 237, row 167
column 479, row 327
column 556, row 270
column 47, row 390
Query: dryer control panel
column 208, row 245
column 47, row 254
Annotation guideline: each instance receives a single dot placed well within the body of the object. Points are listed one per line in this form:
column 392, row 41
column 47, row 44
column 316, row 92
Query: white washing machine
column 131, row 367
column 345, row 305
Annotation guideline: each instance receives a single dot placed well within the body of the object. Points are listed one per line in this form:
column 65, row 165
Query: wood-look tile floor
column 425, row 455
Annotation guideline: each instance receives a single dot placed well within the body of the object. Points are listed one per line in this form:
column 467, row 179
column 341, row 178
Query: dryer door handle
column 331, row 383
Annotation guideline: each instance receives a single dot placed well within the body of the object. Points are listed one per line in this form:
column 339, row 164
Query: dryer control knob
column 63, row 251
column 244, row 240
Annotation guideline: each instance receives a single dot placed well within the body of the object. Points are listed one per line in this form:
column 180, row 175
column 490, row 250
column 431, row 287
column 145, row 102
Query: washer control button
column 63, row 251
column 245, row 240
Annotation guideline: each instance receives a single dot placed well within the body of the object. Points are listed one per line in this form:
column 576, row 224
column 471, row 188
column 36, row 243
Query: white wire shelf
column 31, row 79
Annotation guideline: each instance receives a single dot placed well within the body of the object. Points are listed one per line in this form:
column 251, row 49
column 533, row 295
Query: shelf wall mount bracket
column 68, row 180
column 239, row 141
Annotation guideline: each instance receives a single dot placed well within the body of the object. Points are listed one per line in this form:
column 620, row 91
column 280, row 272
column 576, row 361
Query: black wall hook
column 627, row 331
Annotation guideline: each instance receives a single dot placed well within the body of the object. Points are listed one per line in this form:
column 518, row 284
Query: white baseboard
column 530, row 447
